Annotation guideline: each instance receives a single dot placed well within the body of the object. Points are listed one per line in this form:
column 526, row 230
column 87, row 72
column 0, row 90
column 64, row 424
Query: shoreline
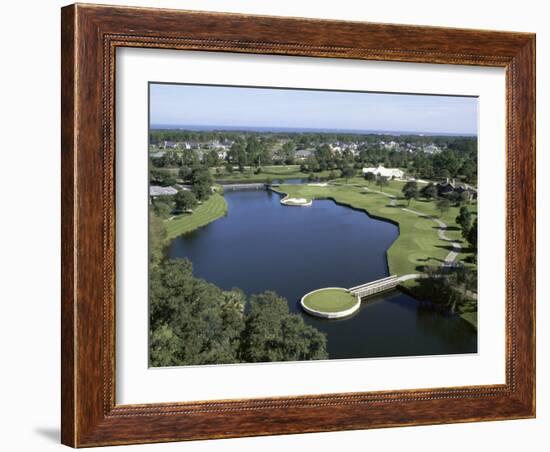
column 207, row 212
column 409, row 290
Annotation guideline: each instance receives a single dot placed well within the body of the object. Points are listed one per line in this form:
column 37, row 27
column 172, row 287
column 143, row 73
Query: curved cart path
column 450, row 258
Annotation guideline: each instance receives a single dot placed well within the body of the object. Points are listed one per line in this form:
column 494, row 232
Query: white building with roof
column 394, row 173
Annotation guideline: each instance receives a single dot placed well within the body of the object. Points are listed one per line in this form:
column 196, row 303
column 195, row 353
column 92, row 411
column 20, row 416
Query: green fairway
column 418, row 243
column 330, row 300
column 212, row 209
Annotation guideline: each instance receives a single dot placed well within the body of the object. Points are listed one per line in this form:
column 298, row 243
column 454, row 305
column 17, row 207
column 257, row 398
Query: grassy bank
column 212, row 209
column 418, row 243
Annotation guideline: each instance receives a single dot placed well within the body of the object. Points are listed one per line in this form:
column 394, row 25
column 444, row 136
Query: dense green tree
column 163, row 206
column 202, row 183
column 464, row 198
column 464, row 219
column 370, row 177
column 312, row 164
column 184, row 173
column 324, row 157
column 157, row 238
column 184, row 200
column 237, row 155
column 410, row 191
column 469, row 171
column 472, row 236
column 211, row 158
column 190, row 158
column 429, row 191
column 273, row 334
column 382, row 181
column 347, row 172
column 465, row 278
column 446, row 164
column 287, row 152
column 443, row 205
column 193, row 322
column 445, row 288
column 161, row 177
column 164, row 346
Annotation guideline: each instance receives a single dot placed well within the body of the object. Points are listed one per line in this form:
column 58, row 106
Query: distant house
column 445, row 188
column 168, row 144
column 431, row 149
column 452, row 186
column 392, row 145
column 156, row 190
column 394, row 173
column 303, row 154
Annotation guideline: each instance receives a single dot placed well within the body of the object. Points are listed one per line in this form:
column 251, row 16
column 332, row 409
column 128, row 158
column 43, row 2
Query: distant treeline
column 304, row 138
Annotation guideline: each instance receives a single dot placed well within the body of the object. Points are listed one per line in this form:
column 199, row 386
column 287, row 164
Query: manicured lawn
column 212, row 209
column 418, row 243
column 330, row 300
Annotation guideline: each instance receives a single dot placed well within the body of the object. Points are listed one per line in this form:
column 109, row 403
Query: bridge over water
column 379, row 285
column 249, row 186
column 359, row 292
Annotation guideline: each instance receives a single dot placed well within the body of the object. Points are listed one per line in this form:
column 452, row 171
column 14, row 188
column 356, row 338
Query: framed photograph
column 282, row 225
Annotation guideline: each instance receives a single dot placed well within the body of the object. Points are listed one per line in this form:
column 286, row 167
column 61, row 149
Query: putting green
column 330, row 300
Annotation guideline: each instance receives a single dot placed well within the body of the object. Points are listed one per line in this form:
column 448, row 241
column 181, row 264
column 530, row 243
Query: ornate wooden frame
column 90, row 35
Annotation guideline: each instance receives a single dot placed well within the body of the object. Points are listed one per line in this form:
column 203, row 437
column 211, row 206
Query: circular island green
column 330, row 303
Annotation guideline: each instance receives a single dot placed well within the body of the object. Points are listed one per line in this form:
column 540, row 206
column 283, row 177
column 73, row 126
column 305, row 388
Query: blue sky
column 194, row 105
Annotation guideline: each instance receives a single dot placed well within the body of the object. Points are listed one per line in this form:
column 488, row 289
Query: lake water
column 263, row 245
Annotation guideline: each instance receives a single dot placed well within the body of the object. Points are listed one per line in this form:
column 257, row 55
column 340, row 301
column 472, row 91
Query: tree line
column 194, row 322
column 449, row 289
column 184, row 200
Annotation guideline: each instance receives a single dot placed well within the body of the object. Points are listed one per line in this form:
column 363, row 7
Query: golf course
column 332, row 302
column 210, row 210
column 419, row 243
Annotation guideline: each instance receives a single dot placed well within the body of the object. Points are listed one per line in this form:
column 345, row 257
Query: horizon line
column 325, row 130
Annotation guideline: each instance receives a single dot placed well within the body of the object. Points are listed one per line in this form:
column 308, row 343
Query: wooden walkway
column 380, row 285
column 374, row 287
column 252, row 186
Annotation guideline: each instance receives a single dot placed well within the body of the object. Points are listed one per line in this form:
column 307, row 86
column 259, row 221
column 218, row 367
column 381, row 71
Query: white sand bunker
column 318, row 184
column 296, row 202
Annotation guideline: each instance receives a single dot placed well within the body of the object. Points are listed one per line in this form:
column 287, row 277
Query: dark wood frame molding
column 90, row 35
